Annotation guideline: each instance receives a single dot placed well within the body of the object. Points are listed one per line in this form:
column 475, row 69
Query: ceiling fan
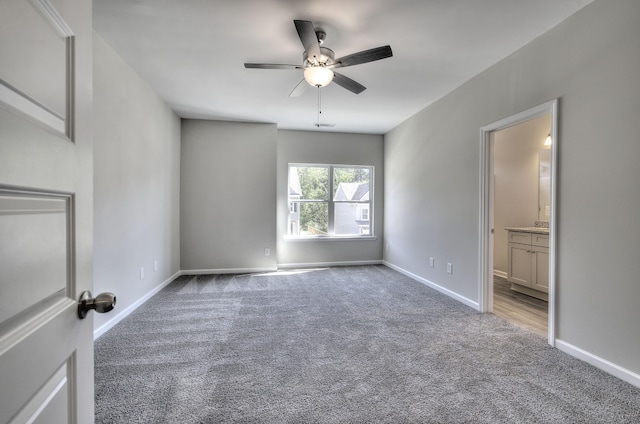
column 318, row 63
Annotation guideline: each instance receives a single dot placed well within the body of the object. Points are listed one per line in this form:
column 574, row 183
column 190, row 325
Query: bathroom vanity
column 528, row 260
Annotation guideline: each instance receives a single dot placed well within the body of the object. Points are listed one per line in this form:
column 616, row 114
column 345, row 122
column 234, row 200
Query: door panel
column 46, row 166
column 35, row 257
column 44, row 33
column 54, row 398
column 46, row 401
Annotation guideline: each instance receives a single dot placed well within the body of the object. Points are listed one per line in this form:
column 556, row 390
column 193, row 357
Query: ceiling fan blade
column 364, row 56
column 348, row 83
column 307, row 34
column 271, row 66
column 299, row 89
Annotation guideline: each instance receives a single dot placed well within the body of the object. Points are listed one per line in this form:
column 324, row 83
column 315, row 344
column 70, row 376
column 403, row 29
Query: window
column 330, row 200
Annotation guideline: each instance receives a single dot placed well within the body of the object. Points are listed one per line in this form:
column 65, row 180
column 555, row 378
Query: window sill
column 328, row 238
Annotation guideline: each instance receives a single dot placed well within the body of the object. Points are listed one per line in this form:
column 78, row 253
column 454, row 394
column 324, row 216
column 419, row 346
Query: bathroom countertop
column 536, row 230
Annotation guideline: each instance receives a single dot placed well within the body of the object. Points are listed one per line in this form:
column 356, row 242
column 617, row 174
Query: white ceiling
column 192, row 53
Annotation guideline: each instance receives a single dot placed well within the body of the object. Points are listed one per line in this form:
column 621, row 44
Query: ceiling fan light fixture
column 318, row 76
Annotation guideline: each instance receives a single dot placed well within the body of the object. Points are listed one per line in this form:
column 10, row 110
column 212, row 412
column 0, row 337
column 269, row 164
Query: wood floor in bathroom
column 520, row 309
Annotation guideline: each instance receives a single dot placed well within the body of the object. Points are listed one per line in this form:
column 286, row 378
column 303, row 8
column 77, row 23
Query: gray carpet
column 338, row 345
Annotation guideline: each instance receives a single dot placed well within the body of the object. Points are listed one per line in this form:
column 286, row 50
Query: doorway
column 490, row 234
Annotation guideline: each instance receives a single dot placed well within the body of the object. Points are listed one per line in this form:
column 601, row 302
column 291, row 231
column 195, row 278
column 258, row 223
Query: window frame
column 331, row 202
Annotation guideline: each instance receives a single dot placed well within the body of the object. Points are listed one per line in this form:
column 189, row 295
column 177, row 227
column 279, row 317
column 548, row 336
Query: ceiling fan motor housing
column 326, row 58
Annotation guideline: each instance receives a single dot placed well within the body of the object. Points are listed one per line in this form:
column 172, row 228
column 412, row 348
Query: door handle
column 104, row 302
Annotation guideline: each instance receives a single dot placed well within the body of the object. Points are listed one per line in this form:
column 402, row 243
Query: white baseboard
column 225, row 271
column 125, row 312
column 327, row 264
column 606, row 366
column 499, row 273
column 473, row 304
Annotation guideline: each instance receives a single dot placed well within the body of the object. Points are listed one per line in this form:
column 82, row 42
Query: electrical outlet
column 141, row 273
column 155, row 266
column 449, row 268
column 267, row 251
column 432, row 262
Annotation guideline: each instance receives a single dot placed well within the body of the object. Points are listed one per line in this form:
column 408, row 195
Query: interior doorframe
column 486, row 208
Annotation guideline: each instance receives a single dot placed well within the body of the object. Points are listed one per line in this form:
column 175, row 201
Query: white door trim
column 485, row 284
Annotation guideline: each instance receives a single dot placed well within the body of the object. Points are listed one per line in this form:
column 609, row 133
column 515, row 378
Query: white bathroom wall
column 136, row 184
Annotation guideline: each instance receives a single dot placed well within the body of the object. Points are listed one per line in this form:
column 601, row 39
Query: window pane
column 315, row 190
column 351, row 184
column 309, row 183
column 311, row 219
column 351, row 218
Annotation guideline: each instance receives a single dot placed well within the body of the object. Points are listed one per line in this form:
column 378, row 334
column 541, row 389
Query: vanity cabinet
column 528, row 263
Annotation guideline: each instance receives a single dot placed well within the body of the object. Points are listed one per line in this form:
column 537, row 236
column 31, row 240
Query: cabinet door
column 540, row 269
column 519, row 260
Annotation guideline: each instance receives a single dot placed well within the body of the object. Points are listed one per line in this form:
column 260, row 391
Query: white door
column 46, row 351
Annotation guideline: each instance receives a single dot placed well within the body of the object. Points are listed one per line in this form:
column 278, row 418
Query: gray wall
column 136, row 182
column 329, row 148
column 591, row 61
column 232, row 175
column 228, row 196
column 516, row 164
